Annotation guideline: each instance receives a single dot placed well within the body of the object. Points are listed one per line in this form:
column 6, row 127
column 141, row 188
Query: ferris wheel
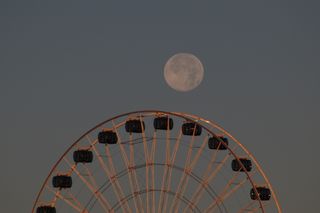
column 156, row 161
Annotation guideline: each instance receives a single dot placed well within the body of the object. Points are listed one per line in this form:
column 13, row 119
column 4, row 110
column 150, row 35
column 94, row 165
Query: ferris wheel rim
column 188, row 117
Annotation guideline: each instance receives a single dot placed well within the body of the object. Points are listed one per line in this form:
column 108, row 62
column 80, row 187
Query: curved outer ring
column 181, row 115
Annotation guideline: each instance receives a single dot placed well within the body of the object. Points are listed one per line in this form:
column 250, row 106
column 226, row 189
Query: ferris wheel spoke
column 91, row 177
column 134, row 175
column 170, row 164
column 66, row 200
column 113, row 180
column 256, row 209
column 189, row 166
column 56, row 194
column 173, row 158
column 251, row 209
column 129, row 167
column 123, row 152
column 221, row 164
column 248, row 207
column 165, row 169
column 226, row 194
column 253, row 206
column 146, row 156
column 210, row 165
column 152, row 156
column 76, row 201
column 110, row 161
column 97, row 190
column 163, row 183
column 237, row 187
column 98, row 195
column 220, row 197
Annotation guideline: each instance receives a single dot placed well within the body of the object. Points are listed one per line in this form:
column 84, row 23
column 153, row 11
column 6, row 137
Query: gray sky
column 67, row 65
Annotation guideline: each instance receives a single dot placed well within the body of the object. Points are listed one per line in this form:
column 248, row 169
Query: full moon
column 183, row 72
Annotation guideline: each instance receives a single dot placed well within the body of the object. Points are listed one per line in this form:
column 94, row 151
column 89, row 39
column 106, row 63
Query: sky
column 68, row 65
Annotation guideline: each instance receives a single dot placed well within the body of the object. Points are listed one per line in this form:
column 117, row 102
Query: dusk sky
column 68, row 65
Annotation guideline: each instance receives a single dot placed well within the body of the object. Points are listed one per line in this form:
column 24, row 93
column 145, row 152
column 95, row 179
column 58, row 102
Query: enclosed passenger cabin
column 215, row 143
column 108, row 137
column 236, row 166
column 135, row 126
column 62, row 181
column 263, row 192
column 82, row 156
column 191, row 128
column 46, row 209
column 163, row 123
